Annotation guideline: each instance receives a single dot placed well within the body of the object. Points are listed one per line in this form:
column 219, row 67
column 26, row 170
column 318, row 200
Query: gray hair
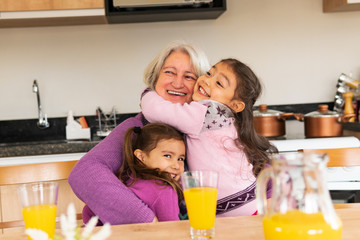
column 198, row 61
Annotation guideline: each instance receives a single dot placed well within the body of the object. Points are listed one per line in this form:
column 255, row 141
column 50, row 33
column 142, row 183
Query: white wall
column 297, row 50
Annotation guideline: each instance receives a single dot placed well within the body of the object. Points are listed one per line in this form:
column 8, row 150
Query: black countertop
column 45, row 147
column 24, row 138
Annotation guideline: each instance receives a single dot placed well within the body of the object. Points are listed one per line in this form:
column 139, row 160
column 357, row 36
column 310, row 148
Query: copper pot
column 324, row 123
column 270, row 123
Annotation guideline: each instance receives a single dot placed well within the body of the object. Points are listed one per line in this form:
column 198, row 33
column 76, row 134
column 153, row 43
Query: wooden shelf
column 41, row 5
column 158, row 14
column 341, row 5
column 34, row 13
column 52, row 21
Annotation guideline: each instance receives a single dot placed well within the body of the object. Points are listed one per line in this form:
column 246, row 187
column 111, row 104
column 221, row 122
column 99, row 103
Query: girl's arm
column 187, row 118
column 94, row 180
column 166, row 206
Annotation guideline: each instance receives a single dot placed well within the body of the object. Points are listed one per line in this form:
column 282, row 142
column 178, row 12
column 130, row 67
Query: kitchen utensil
column 270, row 123
column 107, row 122
column 345, row 84
column 300, row 206
column 324, row 123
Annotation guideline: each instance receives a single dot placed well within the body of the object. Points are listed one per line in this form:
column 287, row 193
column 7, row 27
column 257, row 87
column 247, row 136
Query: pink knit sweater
column 211, row 137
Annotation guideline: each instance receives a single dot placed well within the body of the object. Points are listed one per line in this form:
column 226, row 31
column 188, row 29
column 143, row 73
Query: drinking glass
column 200, row 192
column 38, row 201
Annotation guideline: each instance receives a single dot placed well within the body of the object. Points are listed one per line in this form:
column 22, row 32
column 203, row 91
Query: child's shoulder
column 152, row 190
column 151, row 185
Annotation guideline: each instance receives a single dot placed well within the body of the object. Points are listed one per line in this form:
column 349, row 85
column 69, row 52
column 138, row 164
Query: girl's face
column 168, row 156
column 176, row 78
column 218, row 84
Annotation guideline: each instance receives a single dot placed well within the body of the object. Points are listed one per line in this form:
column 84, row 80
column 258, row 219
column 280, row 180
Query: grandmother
column 172, row 74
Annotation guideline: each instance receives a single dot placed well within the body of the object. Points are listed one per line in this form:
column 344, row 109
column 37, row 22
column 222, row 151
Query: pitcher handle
column 261, row 185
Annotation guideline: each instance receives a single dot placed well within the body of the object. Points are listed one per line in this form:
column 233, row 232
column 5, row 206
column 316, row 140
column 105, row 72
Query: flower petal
column 104, row 233
column 89, row 227
column 36, row 234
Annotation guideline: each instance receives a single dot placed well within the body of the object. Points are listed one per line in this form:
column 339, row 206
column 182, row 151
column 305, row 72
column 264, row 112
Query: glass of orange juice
column 38, row 202
column 200, row 192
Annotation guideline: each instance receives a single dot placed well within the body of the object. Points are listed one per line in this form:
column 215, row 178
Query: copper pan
column 324, row 123
column 270, row 123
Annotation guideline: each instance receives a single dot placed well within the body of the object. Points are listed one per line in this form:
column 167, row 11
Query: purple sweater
column 162, row 199
column 94, row 180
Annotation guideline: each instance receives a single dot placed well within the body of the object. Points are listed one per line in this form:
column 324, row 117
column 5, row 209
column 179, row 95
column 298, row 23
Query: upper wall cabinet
column 32, row 13
column 128, row 11
column 29, row 13
column 341, row 5
column 37, row 5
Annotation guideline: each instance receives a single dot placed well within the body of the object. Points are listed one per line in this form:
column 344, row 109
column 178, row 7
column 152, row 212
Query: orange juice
column 201, row 206
column 41, row 217
column 296, row 225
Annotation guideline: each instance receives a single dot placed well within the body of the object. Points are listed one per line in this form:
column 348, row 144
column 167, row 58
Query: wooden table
column 249, row 227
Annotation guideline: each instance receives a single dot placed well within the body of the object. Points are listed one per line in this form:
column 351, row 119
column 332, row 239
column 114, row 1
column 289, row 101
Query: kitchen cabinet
column 37, row 5
column 10, row 208
column 163, row 13
column 30, row 13
column 340, row 5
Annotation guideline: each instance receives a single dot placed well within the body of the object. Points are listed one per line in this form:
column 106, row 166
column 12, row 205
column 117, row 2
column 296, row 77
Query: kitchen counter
column 24, row 138
column 45, row 147
column 7, row 161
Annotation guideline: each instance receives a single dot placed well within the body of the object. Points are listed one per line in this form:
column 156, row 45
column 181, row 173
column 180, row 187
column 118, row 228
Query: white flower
column 103, row 234
column 70, row 230
column 68, row 224
column 37, row 234
column 89, row 227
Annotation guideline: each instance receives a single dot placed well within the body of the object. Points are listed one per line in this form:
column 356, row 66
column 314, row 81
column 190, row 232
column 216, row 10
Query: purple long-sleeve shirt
column 162, row 199
column 94, row 180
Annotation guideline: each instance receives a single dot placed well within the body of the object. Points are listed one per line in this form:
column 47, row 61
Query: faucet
column 43, row 122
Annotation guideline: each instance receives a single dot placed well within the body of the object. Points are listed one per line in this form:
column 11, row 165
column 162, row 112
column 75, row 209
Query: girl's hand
column 155, row 219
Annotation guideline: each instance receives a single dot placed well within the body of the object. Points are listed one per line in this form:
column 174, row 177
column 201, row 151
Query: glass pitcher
column 300, row 206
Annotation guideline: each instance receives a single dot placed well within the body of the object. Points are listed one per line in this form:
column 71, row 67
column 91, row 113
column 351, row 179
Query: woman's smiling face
column 176, row 78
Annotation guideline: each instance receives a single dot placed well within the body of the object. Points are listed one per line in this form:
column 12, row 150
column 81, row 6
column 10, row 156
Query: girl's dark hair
column 146, row 139
column 256, row 147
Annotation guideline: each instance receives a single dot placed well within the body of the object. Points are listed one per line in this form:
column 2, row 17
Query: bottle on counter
column 348, row 107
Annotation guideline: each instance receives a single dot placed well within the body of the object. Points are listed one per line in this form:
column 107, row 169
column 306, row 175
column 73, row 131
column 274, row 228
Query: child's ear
column 237, row 105
column 139, row 154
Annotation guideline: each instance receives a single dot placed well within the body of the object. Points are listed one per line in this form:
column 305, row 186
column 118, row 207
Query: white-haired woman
column 172, row 74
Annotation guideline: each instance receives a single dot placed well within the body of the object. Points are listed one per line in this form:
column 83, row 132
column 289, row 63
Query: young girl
column 153, row 162
column 220, row 132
